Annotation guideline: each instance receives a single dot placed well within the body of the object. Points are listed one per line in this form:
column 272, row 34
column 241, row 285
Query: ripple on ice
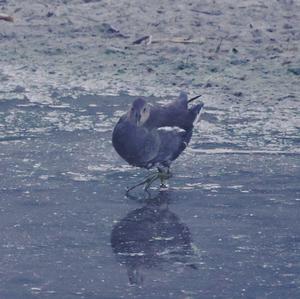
column 81, row 177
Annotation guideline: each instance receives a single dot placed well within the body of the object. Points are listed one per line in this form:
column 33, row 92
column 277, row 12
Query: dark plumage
column 152, row 237
column 148, row 136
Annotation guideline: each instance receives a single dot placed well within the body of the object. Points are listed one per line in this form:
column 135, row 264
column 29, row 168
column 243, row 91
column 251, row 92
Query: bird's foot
column 147, row 182
column 161, row 175
column 163, row 187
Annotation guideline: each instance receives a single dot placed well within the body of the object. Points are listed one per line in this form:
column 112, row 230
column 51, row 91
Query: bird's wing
column 176, row 114
column 172, row 141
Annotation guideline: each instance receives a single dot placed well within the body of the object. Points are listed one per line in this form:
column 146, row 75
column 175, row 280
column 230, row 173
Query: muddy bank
column 241, row 52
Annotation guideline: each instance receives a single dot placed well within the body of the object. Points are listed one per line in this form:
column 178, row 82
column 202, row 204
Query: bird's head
column 139, row 112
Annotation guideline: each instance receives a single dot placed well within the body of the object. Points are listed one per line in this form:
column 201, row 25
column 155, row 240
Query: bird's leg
column 147, row 182
column 151, row 180
column 163, row 176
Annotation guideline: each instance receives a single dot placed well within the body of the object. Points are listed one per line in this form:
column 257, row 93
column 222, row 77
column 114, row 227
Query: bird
column 150, row 136
column 153, row 237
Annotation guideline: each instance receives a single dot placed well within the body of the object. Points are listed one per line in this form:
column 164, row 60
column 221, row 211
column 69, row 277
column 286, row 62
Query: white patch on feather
column 171, row 129
column 197, row 119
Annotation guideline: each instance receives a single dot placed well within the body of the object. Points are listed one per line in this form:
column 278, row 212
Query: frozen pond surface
column 229, row 227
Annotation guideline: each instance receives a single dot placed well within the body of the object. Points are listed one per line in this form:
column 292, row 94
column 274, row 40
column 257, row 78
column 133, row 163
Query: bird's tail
column 187, row 136
column 195, row 112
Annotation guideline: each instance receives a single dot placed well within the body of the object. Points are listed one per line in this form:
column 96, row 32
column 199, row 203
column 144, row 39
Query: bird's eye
column 144, row 110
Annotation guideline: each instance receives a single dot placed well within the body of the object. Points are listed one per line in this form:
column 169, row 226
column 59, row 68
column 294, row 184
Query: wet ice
column 235, row 193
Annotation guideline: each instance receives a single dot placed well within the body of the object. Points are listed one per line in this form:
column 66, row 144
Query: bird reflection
column 151, row 237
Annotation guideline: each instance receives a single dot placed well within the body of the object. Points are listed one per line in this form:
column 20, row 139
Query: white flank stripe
column 197, row 119
column 171, row 129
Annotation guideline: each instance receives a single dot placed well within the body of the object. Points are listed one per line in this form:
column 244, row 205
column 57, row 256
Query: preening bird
column 151, row 136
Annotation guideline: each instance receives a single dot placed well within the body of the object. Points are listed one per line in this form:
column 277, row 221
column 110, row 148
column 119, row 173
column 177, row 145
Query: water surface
column 227, row 228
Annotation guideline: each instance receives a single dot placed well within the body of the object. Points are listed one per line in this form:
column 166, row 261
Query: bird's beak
column 138, row 120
